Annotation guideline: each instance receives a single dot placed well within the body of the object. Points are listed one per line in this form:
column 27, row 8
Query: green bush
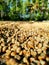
column 24, row 10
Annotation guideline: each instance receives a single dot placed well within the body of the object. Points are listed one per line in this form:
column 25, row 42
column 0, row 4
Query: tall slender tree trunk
column 48, row 3
column 2, row 14
column 23, row 7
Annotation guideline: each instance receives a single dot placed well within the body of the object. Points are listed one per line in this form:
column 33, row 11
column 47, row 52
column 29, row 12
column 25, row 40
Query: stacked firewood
column 19, row 46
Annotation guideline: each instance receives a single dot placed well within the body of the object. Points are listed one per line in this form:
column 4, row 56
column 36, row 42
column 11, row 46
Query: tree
column 3, row 10
column 24, row 10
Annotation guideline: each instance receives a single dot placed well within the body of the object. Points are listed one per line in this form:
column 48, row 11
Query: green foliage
column 24, row 10
column 3, row 10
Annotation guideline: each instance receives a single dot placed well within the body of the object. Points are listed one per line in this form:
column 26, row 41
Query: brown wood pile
column 23, row 43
